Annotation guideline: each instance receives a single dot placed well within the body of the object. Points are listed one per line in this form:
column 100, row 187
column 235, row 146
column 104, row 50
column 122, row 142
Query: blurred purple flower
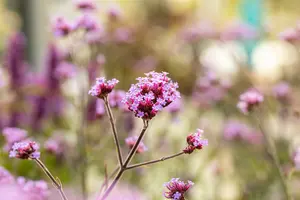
column 55, row 145
column 151, row 94
column 204, row 30
column 175, row 106
column 296, row 158
column 115, row 98
column 65, row 70
column 13, row 135
column 195, row 141
column 37, row 190
column 147, row 63
column 290, row 35
column 282, row 92
column 177, row 189
column 61, row 27
column 25, row 150
column 14, row 60
column 114, row 12
column 5, row 177
column 123, row 35
column 239, row 31
column 87, row 22
column 100, row 108
column 130, row 142
column 39, row 112
column 96, row 36
column 85, row 5
column 249, row 100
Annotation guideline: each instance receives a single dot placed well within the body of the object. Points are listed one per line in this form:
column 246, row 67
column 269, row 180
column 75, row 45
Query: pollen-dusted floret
column 130, row 141
column 151, row 94
column 249, row 100
column 25, row 150
column 177, row 189
column 195, row 141
column 102, row 87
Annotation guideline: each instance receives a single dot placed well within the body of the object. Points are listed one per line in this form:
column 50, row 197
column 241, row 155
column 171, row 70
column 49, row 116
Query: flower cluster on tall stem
column 177, row 189
column 195, row 141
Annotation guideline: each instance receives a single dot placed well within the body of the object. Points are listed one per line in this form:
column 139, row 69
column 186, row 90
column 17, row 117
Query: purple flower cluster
column 61, row 27
column 151, row 94
column 55, row 145
column 130, row 141
column 235, row 130
column 13, row 135
column 249, row 100
column 177, row 189
column 25, row 150
column 291, row 34
column 195, row 141
column 102, row 87
column 85, row 5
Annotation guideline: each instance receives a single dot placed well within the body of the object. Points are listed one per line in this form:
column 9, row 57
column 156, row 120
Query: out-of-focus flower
column 13, row 135
column 114, row 12
column 25, row 150
column 282, row 92
column 290, row 35
column 39, row 111
column 14, row 60
column 204, row 30
column 13, row 192
column 85, row 5
column 296, row 158
column 151, row 94
column 123, row 35
column 130, row 141
column 65, row 70
column 61, row 27
column 175, row 107
column 102, row 87
column 249, row 100
column 239, row 31
column 55, row 145
column 147, row 63
column 116, row 97
column 177, row 189
column 86, row 22
column 96, row 36
column 100, row 108
column 5, row 177
column 235, row 130
column 195, row 141
column 37, row 190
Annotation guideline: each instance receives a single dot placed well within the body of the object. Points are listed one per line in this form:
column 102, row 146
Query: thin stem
column 106, row 181
column 114, row 129
column 154, row 161
column 127, row 161
column 271, row 150
column 55, row 181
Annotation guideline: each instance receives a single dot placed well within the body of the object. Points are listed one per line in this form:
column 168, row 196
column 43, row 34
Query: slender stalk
column 127, row 161
column 55, row 181
column 271, row 150
column 106, row 181
column 154, row 161
column 114, row 129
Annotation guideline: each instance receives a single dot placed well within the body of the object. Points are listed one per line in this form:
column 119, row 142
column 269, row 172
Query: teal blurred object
column 251, row 12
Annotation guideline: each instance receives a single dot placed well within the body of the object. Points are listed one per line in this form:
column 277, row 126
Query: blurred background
column 51, row 51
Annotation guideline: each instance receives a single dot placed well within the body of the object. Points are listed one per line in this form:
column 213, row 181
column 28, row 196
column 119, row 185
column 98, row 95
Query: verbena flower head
column 195, row 141
column 85, row 5
column 102, row 87
column 151, row 94
column 25, row 150
column 249, row 100
column 13, row 135
column 61, row 27
column 5, row 176
column 130, row 141
column 177, row 189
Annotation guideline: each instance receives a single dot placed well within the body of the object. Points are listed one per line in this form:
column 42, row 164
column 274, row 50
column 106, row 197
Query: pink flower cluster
column 13, row 135
column 249, row 100
column 5, row 176
column 85, row 5
column 25, row 150
column 151, row 94
column 291, row 34
column 38, row 190
column 235, row 130
column 55, row 145
column 195, row 141
column 102, row 87
column 130, row 141
column 177, row 189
